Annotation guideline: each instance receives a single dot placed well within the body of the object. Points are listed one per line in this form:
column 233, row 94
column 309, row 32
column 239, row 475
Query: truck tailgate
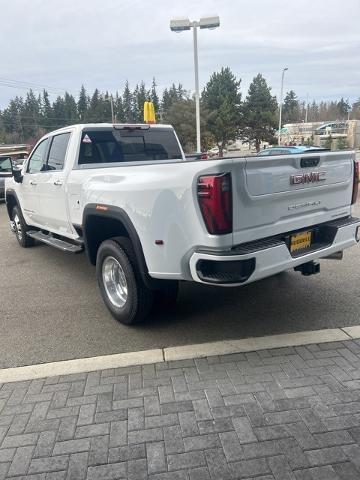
column 289, row 192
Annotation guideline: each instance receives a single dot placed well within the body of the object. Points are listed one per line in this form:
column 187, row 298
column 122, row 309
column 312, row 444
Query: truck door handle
column 58, row 182
column 32, row 182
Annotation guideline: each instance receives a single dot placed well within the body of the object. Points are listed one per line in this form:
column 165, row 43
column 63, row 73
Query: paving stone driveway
column 290, row 413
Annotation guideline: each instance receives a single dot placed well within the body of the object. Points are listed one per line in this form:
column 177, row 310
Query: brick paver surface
column 290, row 413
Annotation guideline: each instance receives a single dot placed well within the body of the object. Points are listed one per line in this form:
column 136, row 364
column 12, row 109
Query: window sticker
column 86, row 139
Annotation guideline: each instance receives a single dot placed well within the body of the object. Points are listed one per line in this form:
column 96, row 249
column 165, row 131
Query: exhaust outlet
column 335, row 256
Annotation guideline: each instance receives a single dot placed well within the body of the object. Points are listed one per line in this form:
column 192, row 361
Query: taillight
column 215, row 200
column 356, row 183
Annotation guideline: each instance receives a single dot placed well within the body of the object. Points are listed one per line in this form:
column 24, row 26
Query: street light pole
column 179, row 25
column 281, row 102
column 197, row 93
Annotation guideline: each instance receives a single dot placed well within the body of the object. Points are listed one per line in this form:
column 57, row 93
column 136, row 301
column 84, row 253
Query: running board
column 55, row 242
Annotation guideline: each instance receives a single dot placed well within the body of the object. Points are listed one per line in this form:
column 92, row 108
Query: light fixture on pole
column 281, row 102
column 180, row 25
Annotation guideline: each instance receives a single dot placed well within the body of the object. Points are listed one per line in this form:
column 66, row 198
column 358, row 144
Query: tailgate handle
column 309, row 162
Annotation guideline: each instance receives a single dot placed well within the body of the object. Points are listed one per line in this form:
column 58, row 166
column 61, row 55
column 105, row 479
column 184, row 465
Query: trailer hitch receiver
column 309, row 268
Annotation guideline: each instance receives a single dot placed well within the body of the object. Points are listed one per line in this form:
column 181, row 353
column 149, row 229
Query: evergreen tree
column 136, row 107
column 166, row 101
column 59, row 112
column 222, row 98
column 104, row 110
column 119, row 109
column 12, row 120
column 47, row 120
column 70, row 107
column 155, row 99
column 313, row 114
column 343, row 108
column 31, row 113
column 83, row 103
column 259, row 113
column 291, row 108
column 142, row 95
column 171, row 96
column 93, row 112
column 127, row 102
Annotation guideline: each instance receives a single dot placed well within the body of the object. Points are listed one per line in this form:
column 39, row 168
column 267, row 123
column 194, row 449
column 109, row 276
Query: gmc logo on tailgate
column 310, row 177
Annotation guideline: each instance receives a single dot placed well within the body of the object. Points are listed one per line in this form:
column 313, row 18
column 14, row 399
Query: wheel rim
column 114, row 281
column 18, row 227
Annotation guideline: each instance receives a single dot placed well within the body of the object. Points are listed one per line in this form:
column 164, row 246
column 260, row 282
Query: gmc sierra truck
column 148, row 218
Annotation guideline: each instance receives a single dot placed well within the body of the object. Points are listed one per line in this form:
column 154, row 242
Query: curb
column 161, row 355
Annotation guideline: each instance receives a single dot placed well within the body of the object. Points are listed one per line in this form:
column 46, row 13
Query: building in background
column 329, row 134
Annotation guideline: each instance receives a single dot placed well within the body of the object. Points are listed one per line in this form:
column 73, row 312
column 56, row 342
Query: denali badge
column 303, row 205
column 310, row 177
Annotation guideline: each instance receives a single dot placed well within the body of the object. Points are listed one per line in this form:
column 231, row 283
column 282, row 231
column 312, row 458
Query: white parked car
column 214, row 152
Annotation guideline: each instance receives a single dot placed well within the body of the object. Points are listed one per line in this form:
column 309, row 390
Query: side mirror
column 16, row 172
column 7, row 169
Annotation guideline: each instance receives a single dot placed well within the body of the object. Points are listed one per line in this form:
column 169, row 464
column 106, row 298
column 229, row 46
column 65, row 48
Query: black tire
column 21, row 228
column 139, row 298
column 165, row 297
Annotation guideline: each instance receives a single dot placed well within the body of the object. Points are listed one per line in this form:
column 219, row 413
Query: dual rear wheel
column 122, row 286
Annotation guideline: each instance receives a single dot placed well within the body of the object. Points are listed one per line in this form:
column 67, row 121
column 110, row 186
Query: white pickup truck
column 148, row 218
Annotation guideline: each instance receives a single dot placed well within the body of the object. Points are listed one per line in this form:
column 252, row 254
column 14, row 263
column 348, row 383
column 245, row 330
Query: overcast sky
column 65, row 43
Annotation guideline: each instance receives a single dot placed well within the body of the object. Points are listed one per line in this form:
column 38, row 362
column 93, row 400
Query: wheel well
column 113, row 222
column 97, row 229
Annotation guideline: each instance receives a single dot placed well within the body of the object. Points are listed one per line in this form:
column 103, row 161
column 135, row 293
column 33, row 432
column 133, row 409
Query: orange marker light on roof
column 149, row 112
column 101, row 207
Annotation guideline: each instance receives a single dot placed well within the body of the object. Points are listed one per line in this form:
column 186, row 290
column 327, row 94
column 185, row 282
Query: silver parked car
column 5, row 171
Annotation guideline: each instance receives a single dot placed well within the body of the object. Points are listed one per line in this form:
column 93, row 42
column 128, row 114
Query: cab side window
column 57, row 151
column 38, row 158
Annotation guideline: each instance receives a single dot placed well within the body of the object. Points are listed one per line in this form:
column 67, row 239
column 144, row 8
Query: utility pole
column 307, row 108
column 112, row 109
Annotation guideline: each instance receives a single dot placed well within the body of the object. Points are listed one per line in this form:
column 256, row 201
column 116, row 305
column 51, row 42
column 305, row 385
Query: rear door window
column 128, row 145
column 57, row 151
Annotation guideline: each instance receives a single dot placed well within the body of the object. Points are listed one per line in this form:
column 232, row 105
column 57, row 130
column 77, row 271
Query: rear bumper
column 261, row 259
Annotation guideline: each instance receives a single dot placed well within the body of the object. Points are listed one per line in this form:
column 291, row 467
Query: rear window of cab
column 128, row 145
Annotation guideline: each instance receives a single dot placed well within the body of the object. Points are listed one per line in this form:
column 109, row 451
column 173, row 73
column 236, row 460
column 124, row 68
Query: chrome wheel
column 18, row 228
column 114, row 281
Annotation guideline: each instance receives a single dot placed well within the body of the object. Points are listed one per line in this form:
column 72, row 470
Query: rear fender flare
column 118, row 214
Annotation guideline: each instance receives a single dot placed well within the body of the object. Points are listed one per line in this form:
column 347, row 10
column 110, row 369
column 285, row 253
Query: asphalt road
column 50, row 307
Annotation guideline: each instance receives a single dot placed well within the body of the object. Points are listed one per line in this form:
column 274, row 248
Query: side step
column 49, row 239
